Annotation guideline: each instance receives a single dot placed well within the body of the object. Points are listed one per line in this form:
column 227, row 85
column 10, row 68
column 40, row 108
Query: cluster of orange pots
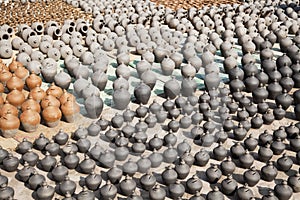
column 17, row 12
column 25, row 104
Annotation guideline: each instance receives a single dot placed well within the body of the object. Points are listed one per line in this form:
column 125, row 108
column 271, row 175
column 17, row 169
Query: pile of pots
column 28, row 12
column 259, row 92
column 24, row 104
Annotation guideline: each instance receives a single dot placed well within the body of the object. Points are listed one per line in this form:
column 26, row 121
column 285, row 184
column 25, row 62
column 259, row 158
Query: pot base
column 29, row 127
column 9, row 133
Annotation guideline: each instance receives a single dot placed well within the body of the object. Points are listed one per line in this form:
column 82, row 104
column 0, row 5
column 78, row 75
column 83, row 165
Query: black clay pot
column 229, row 186
column 213, row 174
column 251, row 176
column 269, row 172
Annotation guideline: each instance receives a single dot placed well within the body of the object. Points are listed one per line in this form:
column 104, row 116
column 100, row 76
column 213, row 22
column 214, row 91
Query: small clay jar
column 194, row 185
column 265, row 153
column 24, row 146
column 127, row 186
column 71, row 160
column 147, row 181
column 33, row 81
column 108, row 191
column 229, row 186
column 51, row 115
column 169, row 175
column 251, row 176
column 202, row 157
column 70, row 110
column 36, row 180
column 155, row 158
column 215, row 194
column 220, row 152
column 32, row 104
column 48, row 162
column 93, row 181
column 59, row 172
column 15, row 82
column 67, row 185
column 284, row 163
column 182, row 169
column 251, row 143
column 9, row 125
column 269, row 172
column 55, row 90
column 244, row 192
column 246, row 160
column 15, row 98
column 157, row 193
column 45, row 192
column 37, row 93
column 61, row 137
column 41, row 142
column 114, row 174
column 52, row 148
column 30, row 120
column 49, row 98
column 283, row 190
column 278, row 146
column 30, row 157
column 227, row 166
column 25, row 173
column 130, row 168
column 170, row 154
column 87, row 165
column 213, row 174
column 237, row 150
column 294, row 182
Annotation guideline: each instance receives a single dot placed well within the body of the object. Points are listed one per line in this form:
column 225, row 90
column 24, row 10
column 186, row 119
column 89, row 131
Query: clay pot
column 244, row 192
column 67, row 186
column 37, row 94
column 45, row 192
column 59, row 172
column 36, row 180
column 15, row 98
column 283, row 191
column 172, row 88
column 121, row 98
column 269, row 172
column 229, row 185
column 251, row 176
column 284, row 163
column 107, row 159
column 93, row 106
column 227, row 166
column 9, row 125
column 24, row 146
column 6, row 192
column 156, row 159
column 213, row 174
column 61, row 137
column 114, row 174
column 157, row 193
column 108, row 191
column 15, row 82
column 169, row 175
column 48, row 162
column 51, row 115
column 87, row 165
column 70, row 110
column 31, row 104
column 215, row 194
column 147, row 181
column 49, row 99
column 93, row 181
column 142, row 93
column 33, row 81
column 30, row 120
column 25, row 173
column 10, row 163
